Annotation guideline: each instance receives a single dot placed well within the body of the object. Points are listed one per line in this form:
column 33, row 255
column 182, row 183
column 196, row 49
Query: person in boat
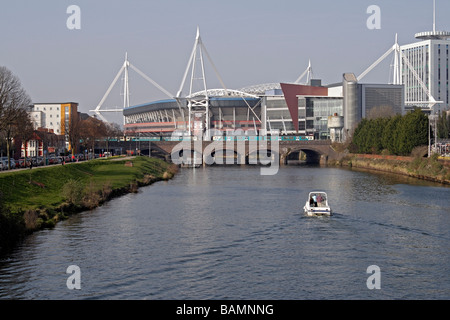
column 314, row 197
column 319, row 200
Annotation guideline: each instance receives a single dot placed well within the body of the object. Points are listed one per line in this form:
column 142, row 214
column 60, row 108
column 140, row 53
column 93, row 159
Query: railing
column 233, row 138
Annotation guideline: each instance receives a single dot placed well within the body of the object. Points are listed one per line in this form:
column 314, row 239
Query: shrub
column 73, row 192
column 30, row 218
column 133, row 187
column 106, row 191
column 92, row 197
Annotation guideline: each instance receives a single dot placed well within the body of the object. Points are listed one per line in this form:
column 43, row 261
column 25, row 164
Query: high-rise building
column 424, row 70
column 429, row 59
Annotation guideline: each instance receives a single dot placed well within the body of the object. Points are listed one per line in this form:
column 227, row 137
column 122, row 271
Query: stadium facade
column 313, row 110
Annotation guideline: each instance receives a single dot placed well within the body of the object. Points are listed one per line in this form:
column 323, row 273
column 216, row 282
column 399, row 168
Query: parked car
column 40, row 161
column 4, row 161
column 21, row 163
column 24, row 163
column 53, row 160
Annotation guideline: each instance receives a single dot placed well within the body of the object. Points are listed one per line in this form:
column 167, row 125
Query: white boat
column 317, row 204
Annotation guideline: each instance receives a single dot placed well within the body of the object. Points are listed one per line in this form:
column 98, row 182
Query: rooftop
column 433, row 35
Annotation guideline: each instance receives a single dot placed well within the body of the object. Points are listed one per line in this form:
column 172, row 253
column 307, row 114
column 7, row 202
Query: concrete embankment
column 32, row 200
column 431, row 169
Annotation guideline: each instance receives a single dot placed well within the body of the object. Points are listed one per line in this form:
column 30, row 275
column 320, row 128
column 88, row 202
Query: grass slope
column 42, row 187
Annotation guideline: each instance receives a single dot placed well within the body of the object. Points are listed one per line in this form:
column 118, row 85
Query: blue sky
column 250, row 42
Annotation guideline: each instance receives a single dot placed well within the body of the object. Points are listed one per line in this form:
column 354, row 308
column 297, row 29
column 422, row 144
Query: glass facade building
column 313, row 113
column 317, row 111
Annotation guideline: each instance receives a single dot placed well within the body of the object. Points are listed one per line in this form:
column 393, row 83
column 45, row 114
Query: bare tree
column 91, row 130
column 13, row 103
column 26, row 132
column 380, row 112
column 112, row 131
column 74, row 133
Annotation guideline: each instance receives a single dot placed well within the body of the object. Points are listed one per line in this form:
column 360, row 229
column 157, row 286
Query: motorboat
column 317, row 204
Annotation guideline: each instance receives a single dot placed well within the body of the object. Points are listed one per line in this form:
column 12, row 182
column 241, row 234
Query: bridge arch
column 262, row 156
column 222, row 156
column 183, row 153
column 313, row 155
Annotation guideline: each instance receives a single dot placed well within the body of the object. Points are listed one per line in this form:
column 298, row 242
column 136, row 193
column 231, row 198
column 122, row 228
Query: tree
column 368, row 135
column 389, row 137
column 399, row 135
column 112, row 130
column 26, row 132
column 443, row 128
column 13, row 103
column 380, row 112
column 412, row 131
column 360, row 135
column 91, row 130
column 74, row 132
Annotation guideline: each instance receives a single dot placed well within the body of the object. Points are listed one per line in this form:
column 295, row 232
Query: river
column 231, row 233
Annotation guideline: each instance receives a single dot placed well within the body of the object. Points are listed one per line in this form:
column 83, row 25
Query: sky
column 250, row 42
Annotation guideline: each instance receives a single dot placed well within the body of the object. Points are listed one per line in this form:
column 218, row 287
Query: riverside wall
column 430, row 169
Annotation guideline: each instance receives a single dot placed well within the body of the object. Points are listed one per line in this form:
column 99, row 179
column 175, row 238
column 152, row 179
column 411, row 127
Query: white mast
column 198, row 103
column 396, row 79
column 126, row 90
column 308, row 72
column 434, row 15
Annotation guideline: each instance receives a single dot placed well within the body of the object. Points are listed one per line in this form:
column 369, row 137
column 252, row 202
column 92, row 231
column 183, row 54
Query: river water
column 230, row 233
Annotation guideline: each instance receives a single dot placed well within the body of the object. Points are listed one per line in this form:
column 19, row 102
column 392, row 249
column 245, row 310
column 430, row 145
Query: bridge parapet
column 316, row 150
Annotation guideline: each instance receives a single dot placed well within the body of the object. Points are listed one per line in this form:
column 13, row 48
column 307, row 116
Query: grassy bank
column 35, row 199
column 431, row 169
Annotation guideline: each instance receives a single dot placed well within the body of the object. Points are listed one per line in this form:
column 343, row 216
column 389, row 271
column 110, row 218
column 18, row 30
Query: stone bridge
column 244, row 152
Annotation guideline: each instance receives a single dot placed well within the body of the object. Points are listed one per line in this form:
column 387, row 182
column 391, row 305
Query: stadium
column 224, row 114
column 305, row 110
